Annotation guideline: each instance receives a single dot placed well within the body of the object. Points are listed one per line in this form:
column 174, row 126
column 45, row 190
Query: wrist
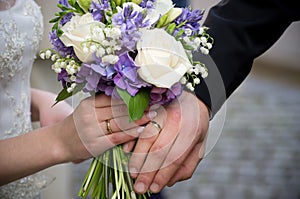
column 69, row 144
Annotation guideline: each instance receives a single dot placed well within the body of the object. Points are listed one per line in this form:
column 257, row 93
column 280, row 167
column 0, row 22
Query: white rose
column 161, row 7
column 162, row 59
column 77, row 31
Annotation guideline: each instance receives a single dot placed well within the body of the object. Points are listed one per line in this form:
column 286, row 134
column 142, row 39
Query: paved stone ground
column 258, row 153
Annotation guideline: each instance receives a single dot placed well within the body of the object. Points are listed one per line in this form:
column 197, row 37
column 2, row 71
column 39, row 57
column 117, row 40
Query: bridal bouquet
column 139, row 51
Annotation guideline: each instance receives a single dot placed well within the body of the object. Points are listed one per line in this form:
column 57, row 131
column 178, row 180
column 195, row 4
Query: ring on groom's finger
column 108, row 127
column 156, row 125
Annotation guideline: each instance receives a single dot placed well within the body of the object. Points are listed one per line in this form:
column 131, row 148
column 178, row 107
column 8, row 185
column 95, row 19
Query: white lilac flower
column 114, row 33
column 190, row 86
column 188, row 32
column 98, row 34
column 190, row 71
column 42, row 55
column 196, row 81
column 202, row 69
column 62, row 64
column 73, row 78
column 196, row 70
column 100, row 52
column 209, row 45
column 71, row 88
column 105, row 43
column 197, row 41
column 70, row 69
column 48, row 54
column 183, row 80
column 201, row 30
column 204, row 50
column 85, row 49
column 93, row 48
column 54, row 57
column 109, row 50
column 203, row 40
column 56, row 67
column 204, row 75
column 110, row 59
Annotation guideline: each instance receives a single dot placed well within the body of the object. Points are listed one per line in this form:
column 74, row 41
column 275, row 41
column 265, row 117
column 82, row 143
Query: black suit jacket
column 242, row 30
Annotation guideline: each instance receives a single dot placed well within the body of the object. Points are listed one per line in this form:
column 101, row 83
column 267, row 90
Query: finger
column 98, row 145
column 186, row 140
column 154, row 160
column 102, row 100
column 144, row 143
column 123, row 123
column 128, row 147
column 189, row 166
column 106, row 113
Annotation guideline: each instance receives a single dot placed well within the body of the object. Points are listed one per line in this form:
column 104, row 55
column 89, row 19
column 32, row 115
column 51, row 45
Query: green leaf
column 63, row 7
column 54, row 20
column 171, row 28
column 72, row 2
column 136, row 104
column 64, row 94
column 162, row 20
column 85, row 4
column 124, row 95
column 78, row 9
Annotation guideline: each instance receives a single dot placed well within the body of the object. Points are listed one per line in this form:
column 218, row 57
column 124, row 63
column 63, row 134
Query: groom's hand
column 161, row 159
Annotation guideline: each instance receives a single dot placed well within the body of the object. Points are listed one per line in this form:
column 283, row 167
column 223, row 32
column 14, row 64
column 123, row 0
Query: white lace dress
column 21, row 30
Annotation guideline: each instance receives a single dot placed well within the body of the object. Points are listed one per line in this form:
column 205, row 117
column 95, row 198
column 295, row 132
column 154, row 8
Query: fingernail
column 140, row 129
column 154, row 188
column 133, row 172
column 152, row 114
column 139, row 187
column 125, row 147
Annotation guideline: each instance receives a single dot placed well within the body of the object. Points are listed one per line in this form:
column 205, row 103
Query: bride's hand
column 42, row 108
column 97, row 124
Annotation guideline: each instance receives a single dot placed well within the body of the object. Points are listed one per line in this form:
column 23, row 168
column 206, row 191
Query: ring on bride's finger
column 156, row 125
column 108, row 127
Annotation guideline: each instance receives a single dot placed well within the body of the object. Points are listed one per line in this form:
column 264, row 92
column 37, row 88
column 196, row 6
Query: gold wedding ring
column 108, row 127
column 156, row 125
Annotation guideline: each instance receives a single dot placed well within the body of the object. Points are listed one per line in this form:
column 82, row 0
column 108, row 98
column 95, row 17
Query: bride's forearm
column 29, row 153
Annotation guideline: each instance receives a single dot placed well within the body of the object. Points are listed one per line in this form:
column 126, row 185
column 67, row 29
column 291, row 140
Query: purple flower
column 130, row 22
column 59, row 46
column 98, row 9
column 64, row 2
column 97, row 77
column 164, row 95
column 63, row 77
column 127, row 77
column 149, row 4
column 190, row 19
column 68, row 16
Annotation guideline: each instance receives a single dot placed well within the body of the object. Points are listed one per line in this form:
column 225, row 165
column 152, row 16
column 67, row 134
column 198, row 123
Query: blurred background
column 257, row 154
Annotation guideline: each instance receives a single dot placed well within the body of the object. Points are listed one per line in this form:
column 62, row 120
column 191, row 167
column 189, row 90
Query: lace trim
column 25, row 188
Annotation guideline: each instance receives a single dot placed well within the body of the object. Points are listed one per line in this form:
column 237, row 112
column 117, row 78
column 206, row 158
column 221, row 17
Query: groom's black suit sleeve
column 242, row 30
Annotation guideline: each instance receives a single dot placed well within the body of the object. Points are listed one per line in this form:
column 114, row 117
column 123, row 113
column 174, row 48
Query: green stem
column 88, row 181
column 106, row 173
